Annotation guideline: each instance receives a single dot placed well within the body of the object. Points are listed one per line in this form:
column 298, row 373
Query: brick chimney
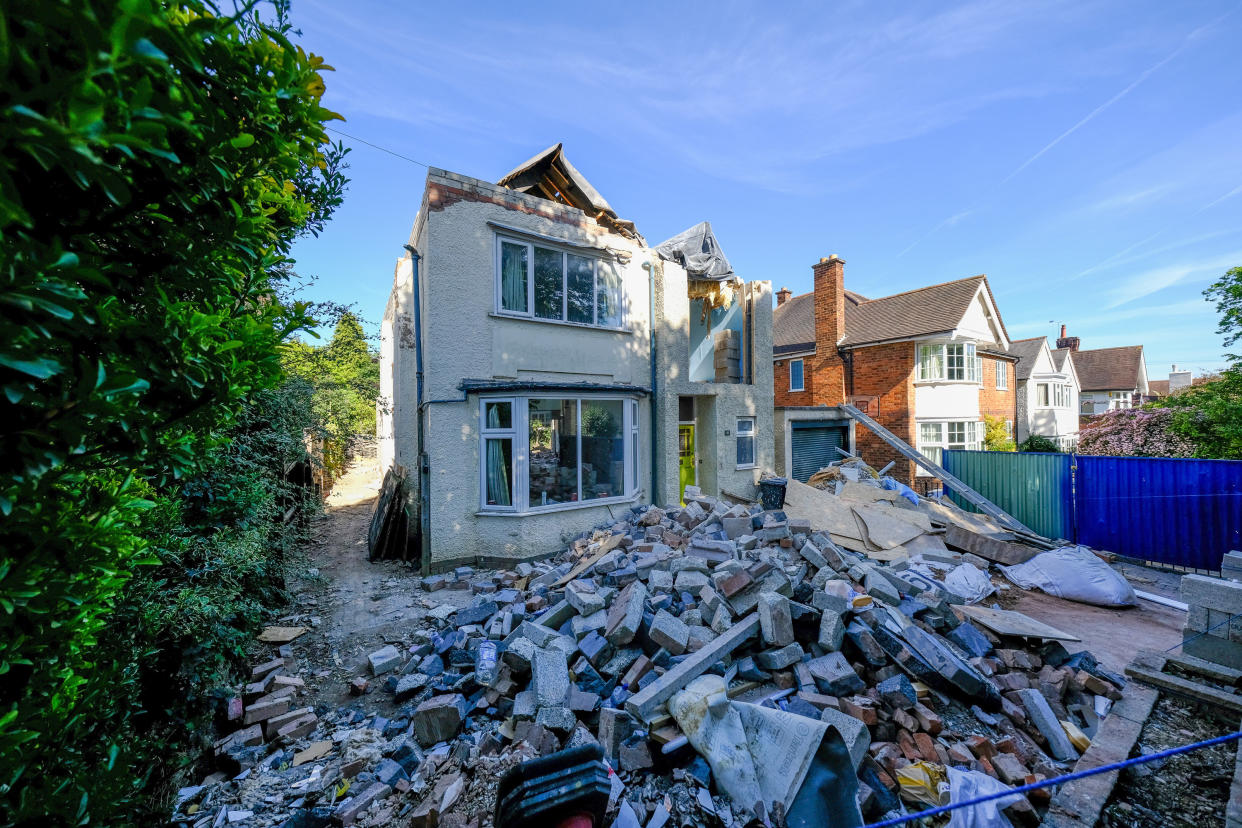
column 782, row 296
column 1070, row 342
column 829, row 276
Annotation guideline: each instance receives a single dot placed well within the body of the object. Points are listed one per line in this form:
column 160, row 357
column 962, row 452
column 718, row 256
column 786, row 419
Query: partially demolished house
column 1047, row 392
column 927, row 364
column 543, row 368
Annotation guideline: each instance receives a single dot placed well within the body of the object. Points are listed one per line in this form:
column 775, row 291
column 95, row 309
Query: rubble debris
column 833, row 609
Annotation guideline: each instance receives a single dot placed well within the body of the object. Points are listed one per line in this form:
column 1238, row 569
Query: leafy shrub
column 156, row 164
column 1209, row 416
column 1134, row 433
column 1039, row 443
column 996, row 436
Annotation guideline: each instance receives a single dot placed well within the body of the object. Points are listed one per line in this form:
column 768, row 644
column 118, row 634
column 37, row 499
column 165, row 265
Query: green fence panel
column 1034, row 488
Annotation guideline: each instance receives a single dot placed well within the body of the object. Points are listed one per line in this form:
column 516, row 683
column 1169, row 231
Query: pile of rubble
column 824, row 610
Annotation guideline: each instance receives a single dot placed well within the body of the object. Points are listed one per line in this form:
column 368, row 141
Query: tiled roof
column 921, row 312
column 1027, row 351
column 1159, row 388
column 1058, row 358
column 1109, row 369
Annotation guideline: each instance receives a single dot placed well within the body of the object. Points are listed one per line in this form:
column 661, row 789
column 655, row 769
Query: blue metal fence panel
column 1033, row 487
column 1182, row 512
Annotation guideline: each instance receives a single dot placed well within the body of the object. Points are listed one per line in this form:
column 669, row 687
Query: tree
column 157, row 162
column 996, row 436
column 1227, row 293
column 1134, row 433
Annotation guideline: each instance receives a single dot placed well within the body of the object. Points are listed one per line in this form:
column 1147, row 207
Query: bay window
column 1042, row 399
column 934, row 438
column 541, row 452
column 540, row 281
column 958, row 362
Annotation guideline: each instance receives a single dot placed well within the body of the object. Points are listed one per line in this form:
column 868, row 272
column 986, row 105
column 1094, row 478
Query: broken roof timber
column 550, row 175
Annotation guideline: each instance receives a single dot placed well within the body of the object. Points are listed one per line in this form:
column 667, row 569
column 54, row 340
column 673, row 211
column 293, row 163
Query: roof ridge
column 1028, row 339
column 925, row 287
column 1112, row 348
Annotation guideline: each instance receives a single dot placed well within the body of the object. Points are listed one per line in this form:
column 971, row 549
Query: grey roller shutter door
column 815, row 447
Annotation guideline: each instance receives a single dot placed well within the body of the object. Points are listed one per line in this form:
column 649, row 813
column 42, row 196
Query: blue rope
column 1138, row 760
column 1200, row 635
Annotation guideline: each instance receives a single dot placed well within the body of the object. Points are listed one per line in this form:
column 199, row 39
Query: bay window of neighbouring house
column 934, row 438
column 796, row 379
column 746, row 443
column 1119, row 400
column 545, row 452
column 543, row 282
column 954, row 362
column 1042, row 398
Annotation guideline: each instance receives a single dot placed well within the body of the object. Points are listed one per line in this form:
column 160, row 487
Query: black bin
column 772, row 492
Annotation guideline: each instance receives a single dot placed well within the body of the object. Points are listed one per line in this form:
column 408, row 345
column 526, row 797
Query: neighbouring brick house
column 927, row 363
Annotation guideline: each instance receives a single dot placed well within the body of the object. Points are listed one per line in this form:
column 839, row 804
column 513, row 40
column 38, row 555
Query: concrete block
column 1211, row 648
column 626, row 614
column 1212, row 593
column 644, row 703
column 834, row 676
column 854, row 732
column 669, row 632
column 775, row 622
column 549, row 678
column 1045, row 720
column 780, row 658
column 831, row 630
column 439, row 718
column 384, row 659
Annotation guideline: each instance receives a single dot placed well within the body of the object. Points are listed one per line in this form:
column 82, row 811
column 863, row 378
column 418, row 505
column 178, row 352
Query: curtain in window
column 608, row 296
column 513, row 277
column 931, row 362
column 497, row 464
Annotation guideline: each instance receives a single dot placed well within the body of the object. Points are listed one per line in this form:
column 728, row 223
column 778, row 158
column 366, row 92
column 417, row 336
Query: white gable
column 981, row 321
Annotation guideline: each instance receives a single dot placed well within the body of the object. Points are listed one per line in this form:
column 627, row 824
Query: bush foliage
column 996, row 436
column 1134, row 433
column 1039, row 443
column 157, row 161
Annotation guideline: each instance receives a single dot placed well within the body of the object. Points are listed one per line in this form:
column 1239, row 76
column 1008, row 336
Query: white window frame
column 1002, row 375
column 748, row 434
column 598, row 261
column 971, row 431
column 520, row 435
column 1120, row 400
column 801, row 386
column 966, row 362
column 1046, row 400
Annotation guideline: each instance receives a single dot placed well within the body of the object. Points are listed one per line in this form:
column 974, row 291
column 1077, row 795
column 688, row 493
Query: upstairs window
column 957, row 362
column 796, row 380
column 1002, row 376
column 1042, row 399
column 543, row 282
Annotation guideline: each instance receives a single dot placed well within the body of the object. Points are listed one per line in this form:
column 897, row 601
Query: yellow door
column 685, row 454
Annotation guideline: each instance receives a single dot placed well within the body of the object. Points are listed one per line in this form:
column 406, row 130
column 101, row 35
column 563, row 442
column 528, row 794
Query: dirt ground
column 353, row 606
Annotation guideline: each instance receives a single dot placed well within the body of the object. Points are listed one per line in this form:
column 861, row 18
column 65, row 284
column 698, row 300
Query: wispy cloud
column 1157, row 279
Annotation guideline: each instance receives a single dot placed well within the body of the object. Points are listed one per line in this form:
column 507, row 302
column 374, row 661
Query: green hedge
column 157, row 161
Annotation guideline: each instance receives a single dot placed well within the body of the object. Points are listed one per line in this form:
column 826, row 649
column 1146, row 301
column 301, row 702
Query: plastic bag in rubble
column 965, row 785
column 923, row 782
column 758, row 755
column 970, row 582
column 901, row 489
column 1075, row 574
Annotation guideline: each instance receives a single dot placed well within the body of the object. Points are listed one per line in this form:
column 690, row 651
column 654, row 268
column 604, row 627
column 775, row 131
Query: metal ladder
column 974, row 498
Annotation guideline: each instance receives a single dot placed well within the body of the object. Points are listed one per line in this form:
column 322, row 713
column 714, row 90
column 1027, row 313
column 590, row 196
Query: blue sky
column 1087, row 156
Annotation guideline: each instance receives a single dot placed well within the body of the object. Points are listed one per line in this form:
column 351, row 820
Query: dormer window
column 955, row 362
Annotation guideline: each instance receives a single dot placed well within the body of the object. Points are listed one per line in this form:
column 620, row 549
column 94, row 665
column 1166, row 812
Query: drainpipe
column 651, row 322
column 424, row 460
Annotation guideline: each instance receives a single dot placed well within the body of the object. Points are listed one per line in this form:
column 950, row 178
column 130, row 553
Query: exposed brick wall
column 780, row 379
column 828, row 367
column 884, row 382
column 996, row 402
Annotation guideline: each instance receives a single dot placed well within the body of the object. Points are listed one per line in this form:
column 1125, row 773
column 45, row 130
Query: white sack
column 967, row 784
column 969, row 582
column 1075, row 574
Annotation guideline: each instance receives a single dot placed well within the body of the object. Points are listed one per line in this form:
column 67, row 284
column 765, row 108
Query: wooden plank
column 997, row 551
column 605, row 546
column 1209, row 695
column 1009, row 622
column 903, row 448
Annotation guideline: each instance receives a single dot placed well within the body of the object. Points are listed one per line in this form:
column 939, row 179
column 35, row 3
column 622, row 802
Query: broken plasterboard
column 826, row 512
column 883, row 530
column 1009, row 622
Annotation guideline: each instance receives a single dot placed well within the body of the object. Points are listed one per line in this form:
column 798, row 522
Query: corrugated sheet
column 1182, row 512
column 1034, row 488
